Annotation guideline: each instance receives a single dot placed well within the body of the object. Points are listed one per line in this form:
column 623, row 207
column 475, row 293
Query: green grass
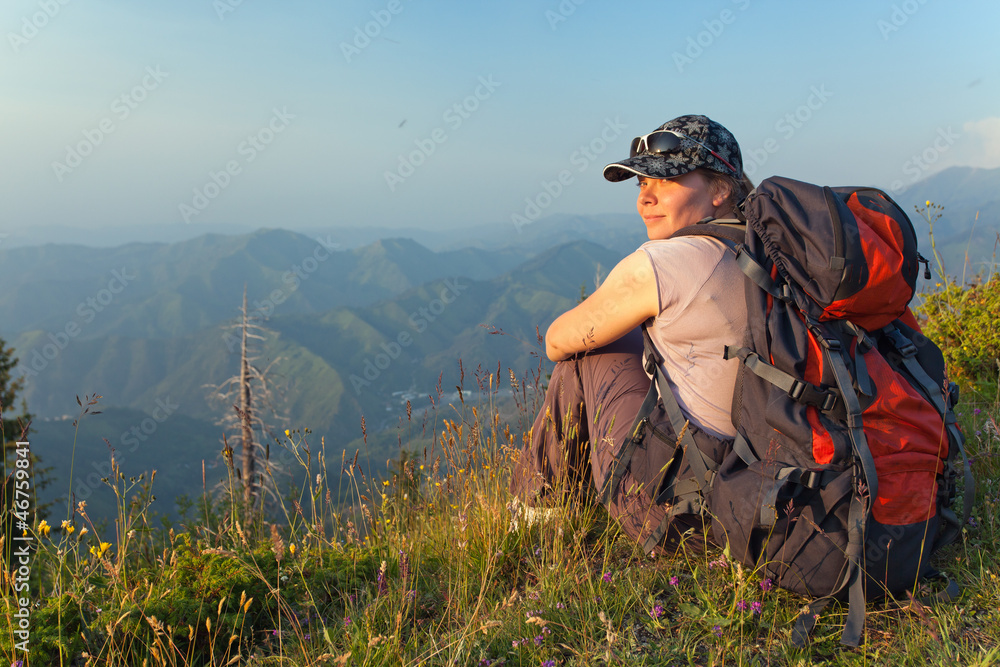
column 427, row 568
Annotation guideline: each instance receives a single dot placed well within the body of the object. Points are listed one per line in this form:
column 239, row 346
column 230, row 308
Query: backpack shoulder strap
column 731, row 231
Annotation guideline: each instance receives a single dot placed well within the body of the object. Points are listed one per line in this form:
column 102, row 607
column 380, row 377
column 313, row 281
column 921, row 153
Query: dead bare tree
column 247, row 396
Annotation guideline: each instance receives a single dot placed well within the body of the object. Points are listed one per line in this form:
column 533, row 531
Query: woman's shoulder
column 684, row 246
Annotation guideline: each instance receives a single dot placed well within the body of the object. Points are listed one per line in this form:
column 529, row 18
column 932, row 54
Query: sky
column 414, row 113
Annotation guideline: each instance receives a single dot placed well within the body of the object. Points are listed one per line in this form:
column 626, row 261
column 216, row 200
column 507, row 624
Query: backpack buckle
column 811, row 479
column 809, row 394
column 903, row 345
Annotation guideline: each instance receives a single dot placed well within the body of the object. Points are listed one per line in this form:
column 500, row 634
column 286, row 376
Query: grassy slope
column 431, row 571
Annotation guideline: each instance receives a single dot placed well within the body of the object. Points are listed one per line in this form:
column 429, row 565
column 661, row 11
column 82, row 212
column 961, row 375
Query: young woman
column 689, row 292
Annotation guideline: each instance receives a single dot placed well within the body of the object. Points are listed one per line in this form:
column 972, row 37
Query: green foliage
column 961, row 319
column 433, row 565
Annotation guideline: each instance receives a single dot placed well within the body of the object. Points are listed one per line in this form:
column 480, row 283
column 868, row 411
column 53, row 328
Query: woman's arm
column 626, row 299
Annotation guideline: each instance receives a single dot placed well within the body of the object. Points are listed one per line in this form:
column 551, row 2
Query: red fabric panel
column 822, row 443
column 909, row 442
column 886, row 294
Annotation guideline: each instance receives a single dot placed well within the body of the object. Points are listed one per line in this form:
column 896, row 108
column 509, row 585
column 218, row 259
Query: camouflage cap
column 688, row 157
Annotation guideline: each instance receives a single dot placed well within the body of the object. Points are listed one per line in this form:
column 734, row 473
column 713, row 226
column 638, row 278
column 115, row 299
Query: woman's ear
column 722, row 194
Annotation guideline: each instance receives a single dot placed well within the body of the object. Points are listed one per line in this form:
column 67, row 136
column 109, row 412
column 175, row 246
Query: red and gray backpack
column 841, row 480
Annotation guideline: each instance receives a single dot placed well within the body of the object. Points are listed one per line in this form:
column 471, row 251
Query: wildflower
column 539, row 639
column 607, row 577
column 766, row 585
column 44, row 528
column 657, row 612
column 549, row 663
column 404, row 565
column 560, row 605
column 291, row 549
column 976, row 411
column 83, row 531
column 533, row 612
column 347, row 621
column 287, row 432
column 717, row 630
column 674, row 580
column 380, row 580
column 756, row 607
column 742, row 605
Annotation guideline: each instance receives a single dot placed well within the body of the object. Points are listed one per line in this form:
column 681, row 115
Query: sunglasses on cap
column 668, row 141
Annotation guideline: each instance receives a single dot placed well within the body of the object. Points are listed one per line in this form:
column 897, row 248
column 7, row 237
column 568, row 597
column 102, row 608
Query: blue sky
column 405, row 113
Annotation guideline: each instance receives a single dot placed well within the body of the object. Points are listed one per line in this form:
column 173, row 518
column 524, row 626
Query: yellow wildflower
column 44, row 528
column 291, row 549
column 68, row 528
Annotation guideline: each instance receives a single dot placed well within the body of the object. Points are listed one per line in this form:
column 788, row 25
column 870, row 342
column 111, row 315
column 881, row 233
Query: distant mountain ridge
column 161, row 290
column 967, row 234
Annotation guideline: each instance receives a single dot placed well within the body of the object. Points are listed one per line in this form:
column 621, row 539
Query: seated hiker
column 690, row 291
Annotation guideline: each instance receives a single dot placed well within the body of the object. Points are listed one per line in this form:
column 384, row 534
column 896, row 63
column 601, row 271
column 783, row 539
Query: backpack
column 842, row 476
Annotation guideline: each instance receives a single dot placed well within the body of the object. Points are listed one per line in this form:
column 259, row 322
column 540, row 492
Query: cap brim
column 649, row 166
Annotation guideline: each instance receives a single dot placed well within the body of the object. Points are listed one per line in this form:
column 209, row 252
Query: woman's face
column 667, row 205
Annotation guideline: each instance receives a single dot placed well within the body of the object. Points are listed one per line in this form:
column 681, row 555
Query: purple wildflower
column 549, row 663
column 607, row 577
column 657, row 612
column 742, row 605
column 347, row 621
column 766, row 585
column 756, row 607
column 532, row 612
column 560, row 605
column 976, row 411
column 717, row 630
column 539, row 639
column 404, row 565
column 674, row 580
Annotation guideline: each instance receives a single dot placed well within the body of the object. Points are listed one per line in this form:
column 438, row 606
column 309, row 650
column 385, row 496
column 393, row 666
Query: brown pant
column 589, row 407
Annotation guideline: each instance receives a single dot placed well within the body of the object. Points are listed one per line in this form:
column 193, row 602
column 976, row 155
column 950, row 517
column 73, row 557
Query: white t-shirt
column 702, row 309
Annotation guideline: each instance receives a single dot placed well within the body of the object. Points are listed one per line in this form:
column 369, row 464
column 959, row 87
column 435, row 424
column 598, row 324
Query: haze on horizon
column 401, row 114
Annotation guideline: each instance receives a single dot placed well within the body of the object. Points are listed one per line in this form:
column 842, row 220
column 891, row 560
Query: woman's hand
column 626, row 299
